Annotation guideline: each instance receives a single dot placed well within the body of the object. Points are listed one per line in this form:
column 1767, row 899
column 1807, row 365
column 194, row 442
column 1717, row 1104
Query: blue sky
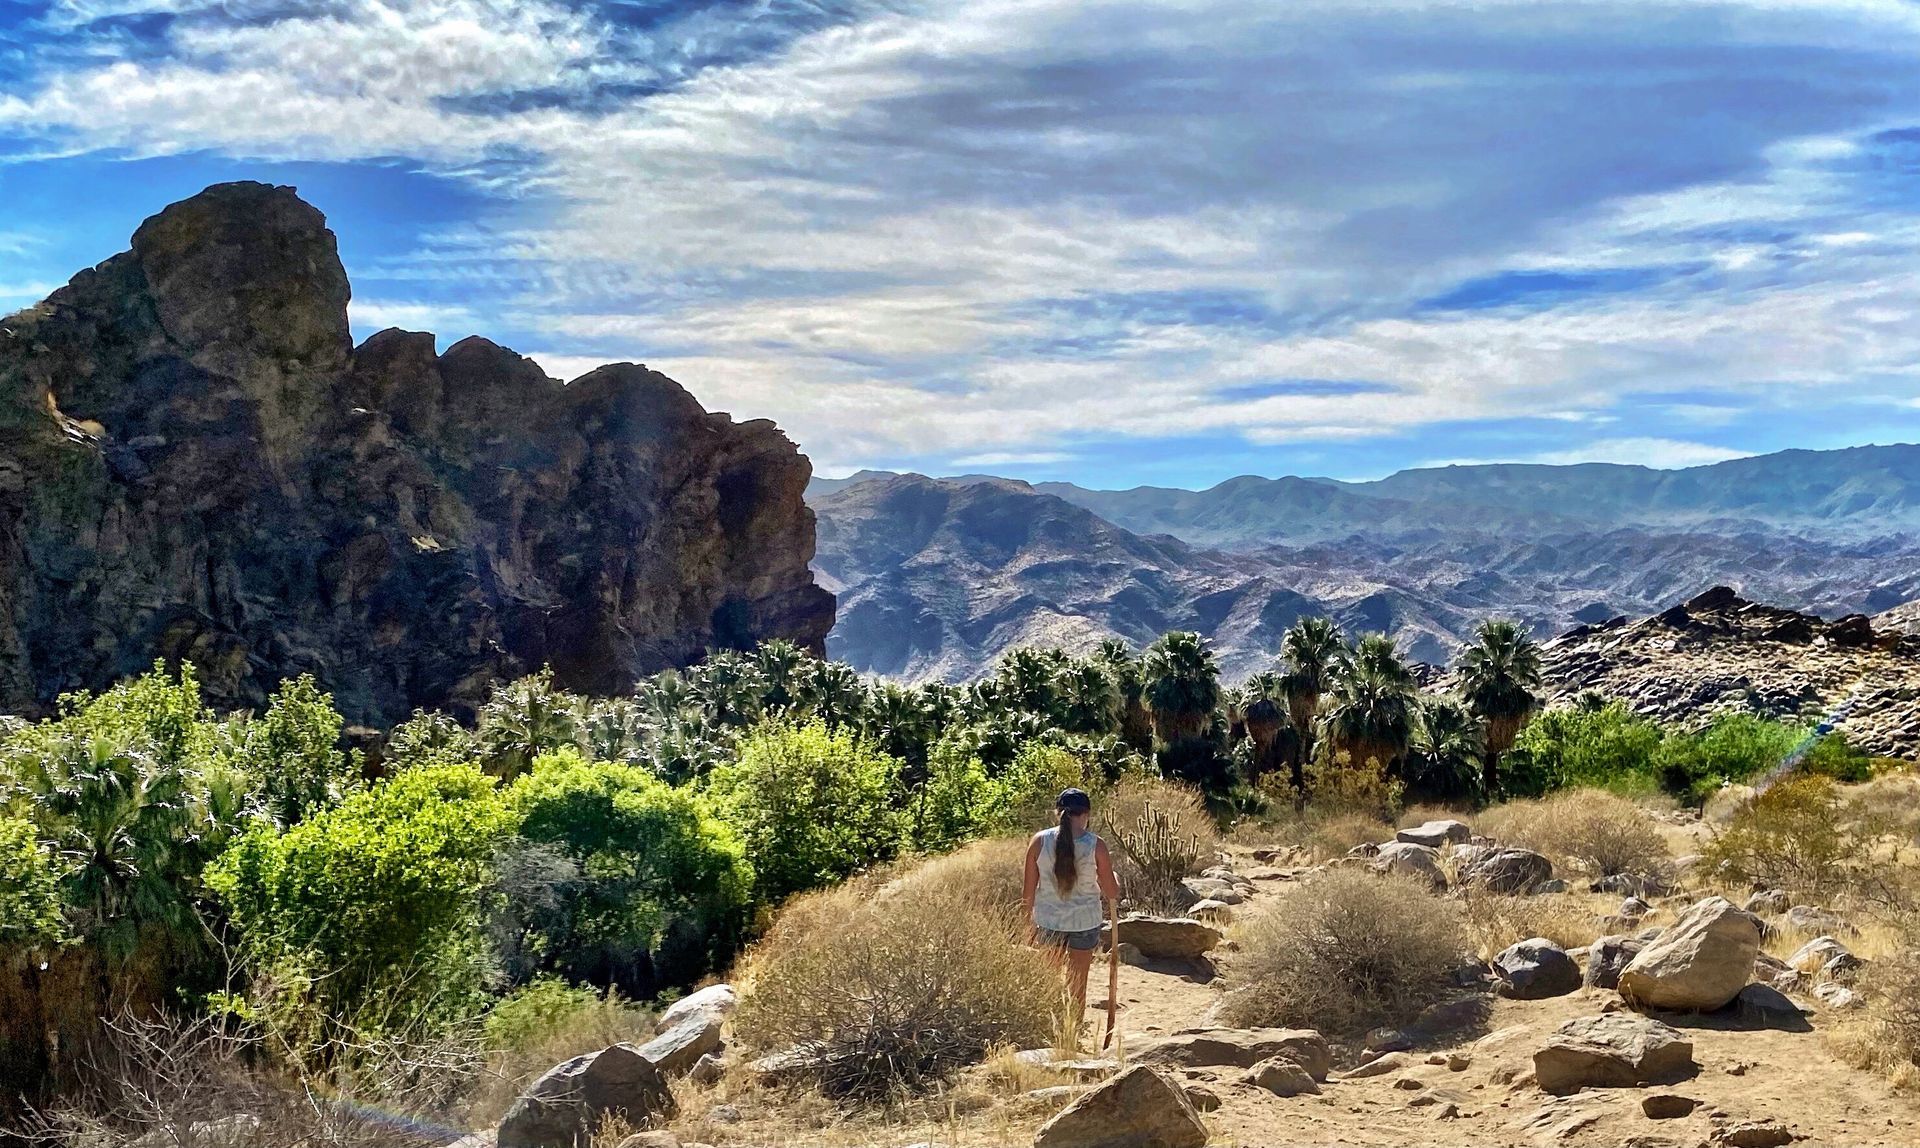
column 1110, row 241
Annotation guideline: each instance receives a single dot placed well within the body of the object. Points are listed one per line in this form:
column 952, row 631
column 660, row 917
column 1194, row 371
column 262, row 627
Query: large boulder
column 1701, row 962
column 1139, row 1108
column 1420, row 862
column 1607, row 958
column 564, row 1108
column 1167, row 938
column 1435, row 834
column 1613, row 1050
column 1241, row 1048
column 1536, row 969
column 1506, row 870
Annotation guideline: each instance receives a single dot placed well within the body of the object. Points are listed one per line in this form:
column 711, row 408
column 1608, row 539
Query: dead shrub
column 1795, row 836
column 889, row 995
column 1330, row 837
column 989, row 874
column 191, row 1083
column 1885, row 1035
column 1344, row 953
column 1589, row 830
column 1495, row 921
column 1340, row 786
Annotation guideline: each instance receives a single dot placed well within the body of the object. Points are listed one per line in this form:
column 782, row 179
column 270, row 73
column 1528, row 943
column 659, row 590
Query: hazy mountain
column 938, row 577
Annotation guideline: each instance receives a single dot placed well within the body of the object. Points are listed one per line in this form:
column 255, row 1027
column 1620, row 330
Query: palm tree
column 1312, row 649
column 615, row 730
column 897, row 722
column 1183, row 694
column 1443, row 757
column 1377, row 654
column 832, row 690
column 1027, row 678
column 1263, row 710
column 1499, row 673
column 778, row 662
column 524, row 719
column 730, row 689
column 1371, row 713
column 1089, row 702
column 1136, row 721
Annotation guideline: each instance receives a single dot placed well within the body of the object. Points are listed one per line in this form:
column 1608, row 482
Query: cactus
column 1160, row 853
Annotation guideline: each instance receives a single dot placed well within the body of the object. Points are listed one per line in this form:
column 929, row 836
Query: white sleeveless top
column 1079, row 908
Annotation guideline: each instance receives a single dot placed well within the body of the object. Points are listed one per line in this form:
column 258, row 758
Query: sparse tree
column 1499, row 674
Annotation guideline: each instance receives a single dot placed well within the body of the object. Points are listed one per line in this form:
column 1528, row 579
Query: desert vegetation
column 485, row 886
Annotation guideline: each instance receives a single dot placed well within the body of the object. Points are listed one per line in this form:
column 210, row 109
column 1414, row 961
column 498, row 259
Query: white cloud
column 1660, row 453
column 979, row 229
column 1016, row 458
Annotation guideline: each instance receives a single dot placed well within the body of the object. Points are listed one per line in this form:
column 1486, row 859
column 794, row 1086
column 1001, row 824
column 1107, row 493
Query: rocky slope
column 1719, row 651
column 196, row 462
column 938, row 577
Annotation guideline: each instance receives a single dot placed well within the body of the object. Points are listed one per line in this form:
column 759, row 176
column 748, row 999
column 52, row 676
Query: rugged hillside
column 938, row 577
column 196, row 462
column 1719, row 651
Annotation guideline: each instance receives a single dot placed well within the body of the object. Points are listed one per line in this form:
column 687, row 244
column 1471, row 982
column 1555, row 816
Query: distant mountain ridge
column 1857, row 492
column 938, row 577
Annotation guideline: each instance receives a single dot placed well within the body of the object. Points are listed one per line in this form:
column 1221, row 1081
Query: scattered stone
column 1841, row 968
column 1667, row 1105
column 1507, row 870
column 1380, row 1066
column 1754, row 1134
column 1212, row 889
column 1608, row 957
column 1205, row 1099
column 1633, row 908
column 725, row 1114
column 1139, row 1106
column 1420, row 862
column 1550, row 885
column 1813, row 919
column 1211, row 912
column 1771, row 970
column 1535, row 969
column 1765, row 1002
column 1614, row 1050
column 721, row 999
column 1813, row 956
column 1240, row 1048
column 1768, row 903
column 708, row 1070
column 1364, row 849
column 566, row 1105
column 1057, row 1094
column 1458, row 1062
column 1702, row 962
column 1080, row 1068
column 1835, row 996
column 1282, row 1076
column 1167, row 938
column 1435, row 834
column 659, row 1138
column 675, row 1051
column 1408, row 1084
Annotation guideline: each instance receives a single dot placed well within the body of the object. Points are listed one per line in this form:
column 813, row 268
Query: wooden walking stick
column 1113, row 970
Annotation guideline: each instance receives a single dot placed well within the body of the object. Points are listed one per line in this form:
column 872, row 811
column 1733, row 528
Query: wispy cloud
column 971, row 231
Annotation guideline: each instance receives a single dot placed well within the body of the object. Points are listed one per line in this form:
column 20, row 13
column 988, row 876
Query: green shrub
column 29, row 889
column 1834, row 756
column 534, row 1012
column 1795, row 836
column 812, row 806
column 292, row 752
column 1608, row 747
column 664, row 884
column 958, row 801
column 429, row 738
column 374, row 903
column 1732, row 748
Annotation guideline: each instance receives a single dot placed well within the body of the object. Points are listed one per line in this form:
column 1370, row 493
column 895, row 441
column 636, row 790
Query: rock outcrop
column 197, row 463
column 1719, row 651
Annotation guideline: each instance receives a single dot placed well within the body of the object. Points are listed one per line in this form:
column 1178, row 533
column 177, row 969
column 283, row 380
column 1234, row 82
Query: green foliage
column 292, row 752
column 663, row 886
column 1834, row 756
column 958, row 801
column 813, row 806
column 525, row 719
column 376, row 900
column 1732, row 748
column 1795, row 836
column 430, row 738
column 1608, row 748
column 29, row 889
column 1443, row 757
column 533, row 1012
column 1500, row 680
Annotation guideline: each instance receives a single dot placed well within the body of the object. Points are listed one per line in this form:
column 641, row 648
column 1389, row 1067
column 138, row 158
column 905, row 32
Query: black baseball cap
column 1073, row 800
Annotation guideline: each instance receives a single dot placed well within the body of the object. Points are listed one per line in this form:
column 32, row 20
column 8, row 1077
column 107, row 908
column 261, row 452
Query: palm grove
column 154, row 854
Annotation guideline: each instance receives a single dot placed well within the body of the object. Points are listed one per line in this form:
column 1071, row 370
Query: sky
column 1115, row 242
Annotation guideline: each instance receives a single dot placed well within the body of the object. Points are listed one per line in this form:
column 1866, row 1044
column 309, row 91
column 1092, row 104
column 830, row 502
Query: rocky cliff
column 1719, row 651
column 197, row 463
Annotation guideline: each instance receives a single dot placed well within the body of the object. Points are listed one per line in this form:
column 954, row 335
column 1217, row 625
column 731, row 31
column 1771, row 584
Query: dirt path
column 1471, row 1089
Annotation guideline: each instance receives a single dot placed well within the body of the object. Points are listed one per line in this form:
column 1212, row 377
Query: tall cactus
column 1161, row 854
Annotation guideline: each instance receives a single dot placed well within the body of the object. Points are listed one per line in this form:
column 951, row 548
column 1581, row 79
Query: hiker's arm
column 1032, row 884
column 1103, row 866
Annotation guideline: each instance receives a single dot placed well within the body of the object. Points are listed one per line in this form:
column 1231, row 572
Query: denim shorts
column 1082, row 939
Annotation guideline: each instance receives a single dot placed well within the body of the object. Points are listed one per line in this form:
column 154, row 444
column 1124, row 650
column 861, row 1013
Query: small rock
column 1667, row 1105
column 659, row 1138
column 1408, row 1084
column 1420, row 862
column 1550, row 885
column 1768, row 903
column 1608, row 957
column 1381, row 1066
column 1435, row 834
column 708, row 1070
column 1240, row 1048
column 725, row 1114
column 1633, row 908
column 1613, row 1050
column 1458, row 1062
column 1813, row 919
column 1813, row 956
column 1754, row 1134
column 1211, row 912
column 1838, row 997
column 1282, row 1077
column 1506, row 870
column 1205, row 1099
column 1535, row 969
column 1765, row 1001
column 675, row 1051
column 1139, row 1106
column 569, row 1101
column 720, row 999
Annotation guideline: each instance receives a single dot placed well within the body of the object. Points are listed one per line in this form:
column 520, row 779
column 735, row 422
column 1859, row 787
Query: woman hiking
column 1069, row 879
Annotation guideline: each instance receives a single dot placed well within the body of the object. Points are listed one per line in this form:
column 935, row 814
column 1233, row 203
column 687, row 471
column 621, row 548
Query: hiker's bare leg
column 1078, row 962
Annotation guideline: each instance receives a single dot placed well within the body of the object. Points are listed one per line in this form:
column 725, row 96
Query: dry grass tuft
column 1494, row 921
column 987, row 874
column 1592, row 831
column 1344, row 953
column 892, row 994
column 1885, row 1035
column 1333, row 836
